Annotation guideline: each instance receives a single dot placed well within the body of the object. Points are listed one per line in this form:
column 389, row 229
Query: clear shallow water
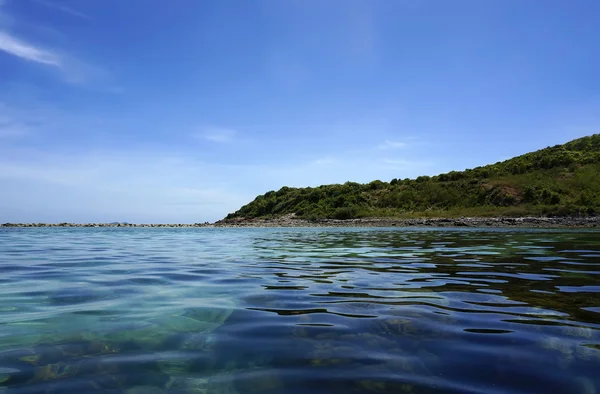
column 299, row 311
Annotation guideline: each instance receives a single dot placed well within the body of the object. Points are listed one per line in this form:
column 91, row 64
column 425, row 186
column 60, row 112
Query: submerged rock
column 218, row 384
column 7, row 373
column 55, row 371
column 179, row 323
column 144, row 390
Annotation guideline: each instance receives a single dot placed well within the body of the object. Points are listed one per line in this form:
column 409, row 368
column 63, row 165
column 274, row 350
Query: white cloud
column 78, row 72
column 215, row 134
column 27, row 51
column 324, row 161
column 72, row 69
column 62, row 8
column 388, row 145
column 395, row 161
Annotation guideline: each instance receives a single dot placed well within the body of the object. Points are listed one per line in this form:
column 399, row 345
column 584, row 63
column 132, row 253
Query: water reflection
column 299, row 310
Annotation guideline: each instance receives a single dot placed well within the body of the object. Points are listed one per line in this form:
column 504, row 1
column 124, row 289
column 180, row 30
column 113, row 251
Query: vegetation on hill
column 560, row 180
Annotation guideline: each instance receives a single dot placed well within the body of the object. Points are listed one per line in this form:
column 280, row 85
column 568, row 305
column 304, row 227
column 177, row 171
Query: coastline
column 500, row 222
column 290, row 221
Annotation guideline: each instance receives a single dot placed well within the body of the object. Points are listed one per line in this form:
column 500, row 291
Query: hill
column 563, row 180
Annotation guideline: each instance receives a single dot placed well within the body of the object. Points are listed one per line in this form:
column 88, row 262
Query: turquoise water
column 108, row 310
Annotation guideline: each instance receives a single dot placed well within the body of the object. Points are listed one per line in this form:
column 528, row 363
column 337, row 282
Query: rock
column 293, row 221
column 144, row 390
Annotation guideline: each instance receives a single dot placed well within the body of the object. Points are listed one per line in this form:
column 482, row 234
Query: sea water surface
column 147, row 310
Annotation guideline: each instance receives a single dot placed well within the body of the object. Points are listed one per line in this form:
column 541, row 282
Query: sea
column 299, row 311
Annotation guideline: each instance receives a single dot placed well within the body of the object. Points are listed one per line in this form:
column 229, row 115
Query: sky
column 154, row 111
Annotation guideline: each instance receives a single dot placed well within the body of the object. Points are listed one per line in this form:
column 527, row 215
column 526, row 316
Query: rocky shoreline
column 291, row 221
column 206, row 224
column 534, row 222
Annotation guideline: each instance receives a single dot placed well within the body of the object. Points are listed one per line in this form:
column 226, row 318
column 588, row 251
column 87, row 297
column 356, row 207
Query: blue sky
column 182, row 111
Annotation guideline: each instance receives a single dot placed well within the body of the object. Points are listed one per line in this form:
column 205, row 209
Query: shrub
column 345, row 213
column 559, row 179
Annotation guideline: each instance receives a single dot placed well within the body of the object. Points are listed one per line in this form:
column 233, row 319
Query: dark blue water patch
column 78, row 295
column 293, row 312
column 579, row 289
column 17, row 268
column 487, row 331
column 147, row 281
column 283, row 288
column 179, row 277
column 573, row 271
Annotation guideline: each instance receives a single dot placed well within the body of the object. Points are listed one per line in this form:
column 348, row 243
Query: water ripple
column 142, row 310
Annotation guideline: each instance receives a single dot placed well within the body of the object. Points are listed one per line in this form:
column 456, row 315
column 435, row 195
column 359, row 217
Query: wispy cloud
column 10, row 124
column 394, row 161
column 324, row 161
column 10, row 129
column 403, row 164
column 216, row 134
column 132, row 186
column 387, row 145
column 62, row 8
column 71, row 68
column 26, row 51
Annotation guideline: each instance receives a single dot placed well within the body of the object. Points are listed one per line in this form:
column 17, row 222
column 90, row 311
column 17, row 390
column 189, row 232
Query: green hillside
column 559, row 180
